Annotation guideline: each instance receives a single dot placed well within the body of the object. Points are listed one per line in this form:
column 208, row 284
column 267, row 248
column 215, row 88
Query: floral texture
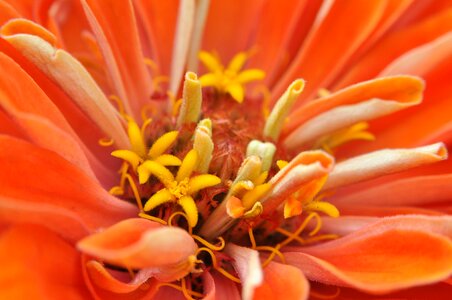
column 198, row 149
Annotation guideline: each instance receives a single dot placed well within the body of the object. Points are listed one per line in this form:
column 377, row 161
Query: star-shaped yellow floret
column 307, row 199
column 243, row 201
column 230, row 79
column 139, row 152
column 179, row 189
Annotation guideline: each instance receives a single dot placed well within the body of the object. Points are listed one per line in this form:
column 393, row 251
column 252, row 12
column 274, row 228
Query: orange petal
column 218, row 287
column 437, row 104
column 389, row 255
column 247, row 264
column 8, row 126
column 39, row 264
column 68, row 22
column 282, row 282
column 419, row 191
column 221, row 26
column 346, row 25
column 88, row 132
column 7, row 12
column 38, row 186
column 303, row 169
column 378, row 163
column 142, row 244
column 69, row 74
column 402, row 89
column 159, row 18
column 121, row 49
column 274, row 30
column 396, row 44
column 23, row 7
column 421, row 60
column 45, row 134
column 103, row 285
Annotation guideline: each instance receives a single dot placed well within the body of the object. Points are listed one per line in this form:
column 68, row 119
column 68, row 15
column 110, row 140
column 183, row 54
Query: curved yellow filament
column 106, row 142
column 135, row 191
column 209, row 245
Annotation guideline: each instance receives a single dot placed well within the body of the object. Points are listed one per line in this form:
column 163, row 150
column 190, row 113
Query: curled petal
column 400, row 89
column 391, row 254
column 383, row 162
column 139, row 243
column 282, row 282
column 73, row 78
column 307, row 166
column 104, row 285
column 248, row 266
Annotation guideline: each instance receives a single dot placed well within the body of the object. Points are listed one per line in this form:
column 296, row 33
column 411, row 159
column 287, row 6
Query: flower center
column 179, row 189
column 218, row 173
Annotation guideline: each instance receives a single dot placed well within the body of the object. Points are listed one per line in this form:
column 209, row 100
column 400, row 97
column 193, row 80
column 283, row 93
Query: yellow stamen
column 228, row 275
column 303, row 197
column 274, row 251
column 282, row 108
column 185, row 291
column 176, row 107
column 200, row 182
column 324, row 207
column 252, row 239
column 261, row 178
column 292, row 207
column 152, row 65
column 255, row 211
column 321, row 237
column 355, row 132
column 255, row 194
column 119, row 103
column 189, row 206
column 234, row 207
column 152, row 218
column 135, row 191
column 231, row 79
column 159, row 198
column 249, row 170
column 192, row 99
column 157, row 80
column 136, row 139
column 149, row 168
column 263, row 89
column 241, row 188
column 179, row 288
column 323, row 92
column 129, row 156
column 162, row 144
column 209, row 245
column 301, row 228
column 116, row 191
column 281, row 163
column 145, row 126
column 263, row 150
column 188, row 165
column 179, row 213
column 168, row 160
column 290, row 234
column 216, row 266
column 106, row 142
column 203, row 144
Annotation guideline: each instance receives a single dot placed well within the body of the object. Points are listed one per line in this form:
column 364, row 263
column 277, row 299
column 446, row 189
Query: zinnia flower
column 225, row 149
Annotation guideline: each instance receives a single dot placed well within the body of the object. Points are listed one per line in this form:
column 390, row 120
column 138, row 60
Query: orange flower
column 306, row 166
